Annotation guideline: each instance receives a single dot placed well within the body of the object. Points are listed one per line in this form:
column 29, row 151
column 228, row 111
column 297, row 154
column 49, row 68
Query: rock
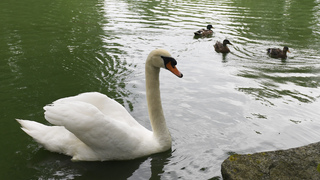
column 292, row 164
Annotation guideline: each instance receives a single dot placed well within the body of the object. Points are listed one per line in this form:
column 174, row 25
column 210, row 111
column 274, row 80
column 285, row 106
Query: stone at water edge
column 291, row 164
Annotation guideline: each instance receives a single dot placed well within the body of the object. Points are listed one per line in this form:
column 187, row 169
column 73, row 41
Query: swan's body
column 93, row 127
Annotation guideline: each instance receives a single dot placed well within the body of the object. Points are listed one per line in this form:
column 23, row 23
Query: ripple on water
column 242, row 102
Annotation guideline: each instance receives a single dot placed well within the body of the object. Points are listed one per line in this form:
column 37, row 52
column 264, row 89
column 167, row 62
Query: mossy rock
column 292, row 164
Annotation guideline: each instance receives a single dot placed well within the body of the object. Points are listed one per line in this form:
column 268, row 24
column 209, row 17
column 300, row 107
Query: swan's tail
column 53, row 138
column 33, row 129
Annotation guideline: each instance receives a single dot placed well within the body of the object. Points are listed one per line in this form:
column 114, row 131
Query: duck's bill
column 289, row 51
column 174, row 70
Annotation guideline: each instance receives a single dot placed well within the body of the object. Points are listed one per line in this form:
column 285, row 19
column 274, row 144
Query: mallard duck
column 222, row 47
column 278, row 53
column 204, row 32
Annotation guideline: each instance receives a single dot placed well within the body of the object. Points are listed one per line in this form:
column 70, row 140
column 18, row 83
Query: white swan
column 93, row 127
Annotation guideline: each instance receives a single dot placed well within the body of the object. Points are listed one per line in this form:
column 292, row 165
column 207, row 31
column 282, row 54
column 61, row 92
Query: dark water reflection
column 291, row 22
column 61, row 167
column 65, row 42
column 241, row 102
column 272, row 81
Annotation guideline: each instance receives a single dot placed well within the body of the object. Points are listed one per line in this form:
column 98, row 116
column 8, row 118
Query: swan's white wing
column 105, row 135
column 104, row 104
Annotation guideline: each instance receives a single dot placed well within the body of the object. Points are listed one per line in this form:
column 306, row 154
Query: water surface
column 243, row 102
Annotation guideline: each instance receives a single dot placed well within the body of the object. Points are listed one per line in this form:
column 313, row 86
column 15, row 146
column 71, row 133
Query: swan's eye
column 173, row 62
column 167, row 60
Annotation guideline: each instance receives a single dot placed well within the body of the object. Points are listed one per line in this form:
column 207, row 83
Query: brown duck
column 204, row 32
column 222, row 47
column 278, row 53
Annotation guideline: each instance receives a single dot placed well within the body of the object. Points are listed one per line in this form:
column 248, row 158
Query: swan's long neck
column 156, row 116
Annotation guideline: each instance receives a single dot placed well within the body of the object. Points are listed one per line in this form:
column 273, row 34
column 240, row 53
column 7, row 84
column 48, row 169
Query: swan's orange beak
column 174, row 70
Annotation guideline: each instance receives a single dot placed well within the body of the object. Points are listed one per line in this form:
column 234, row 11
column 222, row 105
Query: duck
column 93, row 127
column 222, row 47
column 278, row 53
column 204, row 32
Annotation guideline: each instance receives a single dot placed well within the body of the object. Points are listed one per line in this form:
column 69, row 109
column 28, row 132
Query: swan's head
column 161, row 58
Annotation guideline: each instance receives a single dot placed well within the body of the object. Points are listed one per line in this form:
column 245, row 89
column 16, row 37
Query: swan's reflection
column 55, row 166
column 158, row 163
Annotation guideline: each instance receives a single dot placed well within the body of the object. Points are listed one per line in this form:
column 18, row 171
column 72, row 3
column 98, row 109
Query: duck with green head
column 204, row 32
column 222, row 47
column 278, row 53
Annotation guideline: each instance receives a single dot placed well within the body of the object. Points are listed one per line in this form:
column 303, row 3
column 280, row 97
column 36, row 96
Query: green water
column 243, row 102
